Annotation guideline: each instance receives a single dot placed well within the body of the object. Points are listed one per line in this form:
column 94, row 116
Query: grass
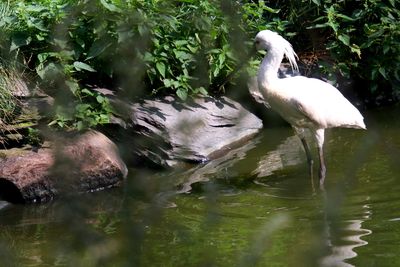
column 9, row 104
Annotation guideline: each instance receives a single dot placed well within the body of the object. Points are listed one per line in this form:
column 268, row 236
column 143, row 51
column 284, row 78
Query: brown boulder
column 85, row 163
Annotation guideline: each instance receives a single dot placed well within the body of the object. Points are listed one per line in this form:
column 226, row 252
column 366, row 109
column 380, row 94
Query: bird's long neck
column 268, row 71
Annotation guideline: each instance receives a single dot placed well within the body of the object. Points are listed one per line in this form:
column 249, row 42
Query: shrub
column 185, row 47
column 362, row 38
column 8, row 103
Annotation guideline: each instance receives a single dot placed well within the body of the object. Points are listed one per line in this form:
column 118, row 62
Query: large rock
column 88, row 162
column 195, row 131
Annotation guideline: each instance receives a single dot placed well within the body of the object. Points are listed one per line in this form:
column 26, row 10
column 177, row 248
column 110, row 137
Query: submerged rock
column 196, row 131
column 85, row 163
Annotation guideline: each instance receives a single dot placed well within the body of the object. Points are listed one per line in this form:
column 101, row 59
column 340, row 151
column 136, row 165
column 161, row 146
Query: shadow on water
column 253, row 206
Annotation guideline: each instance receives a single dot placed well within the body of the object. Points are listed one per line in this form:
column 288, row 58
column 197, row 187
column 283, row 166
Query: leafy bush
column 365, row 43
column 363, row 38
column 8, row 103
column 181, row 47
column 186, row 47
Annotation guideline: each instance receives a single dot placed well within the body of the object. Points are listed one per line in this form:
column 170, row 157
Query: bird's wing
column 321, row 103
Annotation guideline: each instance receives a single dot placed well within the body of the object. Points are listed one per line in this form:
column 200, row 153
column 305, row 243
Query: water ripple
column 355, row 231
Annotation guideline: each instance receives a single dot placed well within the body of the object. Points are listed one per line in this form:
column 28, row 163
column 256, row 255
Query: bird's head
column 265, row 39
column 269, row 40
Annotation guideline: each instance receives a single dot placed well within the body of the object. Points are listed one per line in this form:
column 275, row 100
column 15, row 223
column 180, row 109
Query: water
column 254, row 207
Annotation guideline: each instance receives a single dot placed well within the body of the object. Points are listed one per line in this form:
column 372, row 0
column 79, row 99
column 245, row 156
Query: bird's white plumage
column 306, row 103
column 311, row 103
column 303, row 102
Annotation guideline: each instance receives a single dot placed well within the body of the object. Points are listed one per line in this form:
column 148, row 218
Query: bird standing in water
column 306, row 103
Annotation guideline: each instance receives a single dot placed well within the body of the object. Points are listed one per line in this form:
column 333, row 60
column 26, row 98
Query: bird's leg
column 320, row 136
column 322, row 168
column 308, row 155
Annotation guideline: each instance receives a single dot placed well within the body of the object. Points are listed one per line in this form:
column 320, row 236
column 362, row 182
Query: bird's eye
column 257, row 42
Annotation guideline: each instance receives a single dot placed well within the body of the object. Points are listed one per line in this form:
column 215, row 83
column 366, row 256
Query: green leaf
column 87, row 92
column 344, row 38
column 72, row 85
column 203, row 91
column 48, row 71
column 35, row 8
column 38, row 24
column 382, row 71
column 98, row 48
column 271, row 10
column 356, row 49
column 317, row 2
column 100, row 99
column 181, row 93
column 79, row 125
column 374, row 73
column 42, row 57
column 396, row 74
column 167, row 83
column 386, row 49
column 83, row 66
column 179, row 43
column 181, row 55
column 110, row 7
column 161, row 68
column 345, row 17
column 19, row 40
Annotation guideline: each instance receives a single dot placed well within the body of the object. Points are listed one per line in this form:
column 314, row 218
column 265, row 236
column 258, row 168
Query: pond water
column 255, row 206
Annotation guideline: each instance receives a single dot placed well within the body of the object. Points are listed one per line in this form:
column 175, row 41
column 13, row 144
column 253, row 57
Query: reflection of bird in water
column 347, row 240
column 306, row 103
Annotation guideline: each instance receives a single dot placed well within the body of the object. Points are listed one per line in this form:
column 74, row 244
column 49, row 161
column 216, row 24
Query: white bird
column 306, row 103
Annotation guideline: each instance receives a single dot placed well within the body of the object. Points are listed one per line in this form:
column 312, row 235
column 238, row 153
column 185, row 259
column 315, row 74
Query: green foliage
column 8, row 103
column 172, row 46
column 366, row 40
column 363, row 38
column 91, row 110
column 33, row 137
column 185, row 47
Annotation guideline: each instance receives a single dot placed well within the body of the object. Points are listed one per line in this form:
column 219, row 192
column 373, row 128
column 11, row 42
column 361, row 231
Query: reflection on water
column 352, row 239
column 3, row 204
column 288, row 153
column 217, row 167
column 254, row 205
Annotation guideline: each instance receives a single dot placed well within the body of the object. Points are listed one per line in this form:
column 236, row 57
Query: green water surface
column 256, row 206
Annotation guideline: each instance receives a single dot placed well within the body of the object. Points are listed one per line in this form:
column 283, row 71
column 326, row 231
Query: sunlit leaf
column 382, row 71
column 182, row 94
column 100, row 99
column 203, row 91
column 345, row 17
column 344, row 38
column 87, row 92
column 317, row 2
column 83, row 66
column 110, row 7
column 161, row 68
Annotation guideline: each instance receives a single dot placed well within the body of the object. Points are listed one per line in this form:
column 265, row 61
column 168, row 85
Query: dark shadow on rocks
column 168, row 131
column 10, row 192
